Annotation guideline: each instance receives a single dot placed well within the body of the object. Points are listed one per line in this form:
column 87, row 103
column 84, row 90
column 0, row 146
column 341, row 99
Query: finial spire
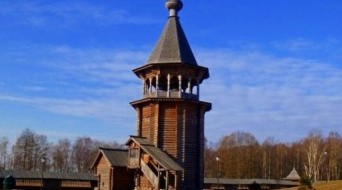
column 174, row 6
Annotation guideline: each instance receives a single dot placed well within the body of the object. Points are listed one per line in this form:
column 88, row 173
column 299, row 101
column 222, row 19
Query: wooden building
column 110, row 167
column 170, row 114
column 36, row 180
column 247, row 184
column 154, row 168
column 293, row 176
column 291, row 180
column 167, row 151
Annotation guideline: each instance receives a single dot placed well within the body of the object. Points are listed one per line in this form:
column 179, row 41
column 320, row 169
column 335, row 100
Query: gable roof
column 115, row 157
column 293, row 176
column 157, row 154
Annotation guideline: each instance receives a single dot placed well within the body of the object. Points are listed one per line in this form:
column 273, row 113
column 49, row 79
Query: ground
column 331, row 185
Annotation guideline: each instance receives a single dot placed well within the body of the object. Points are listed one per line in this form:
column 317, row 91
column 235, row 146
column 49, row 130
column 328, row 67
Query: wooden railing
column 171, row 94
column 149, row 174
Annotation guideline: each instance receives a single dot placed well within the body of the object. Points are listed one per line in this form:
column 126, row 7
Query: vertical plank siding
column 168, row 128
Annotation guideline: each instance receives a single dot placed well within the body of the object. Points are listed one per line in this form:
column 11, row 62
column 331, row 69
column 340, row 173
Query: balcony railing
column 171, row 94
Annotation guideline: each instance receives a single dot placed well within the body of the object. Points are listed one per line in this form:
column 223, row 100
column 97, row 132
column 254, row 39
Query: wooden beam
column 167, row 181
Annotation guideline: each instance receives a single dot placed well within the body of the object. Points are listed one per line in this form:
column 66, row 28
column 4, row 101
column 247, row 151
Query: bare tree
column 240, row 155
column 314, row 151
column 267, row 150
column 210, row 155
column 83, row 153
column 42, row 152
column 61, row 156
column 333, row 162
column 4, row 143
column 104, row 144
column 23, row 151
column 31, row 151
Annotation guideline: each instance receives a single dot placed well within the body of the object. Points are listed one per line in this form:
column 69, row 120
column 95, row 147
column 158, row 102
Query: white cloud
column 108, row 66
column 66, row 13
column 253, row 91
column 104, row 109
column 270, row 96
column 298, row 45
column 91, row 83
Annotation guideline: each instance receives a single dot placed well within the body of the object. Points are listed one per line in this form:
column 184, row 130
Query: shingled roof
column 47, row 175
column 115, row 157
column 293, row 176
column 226, row 181
column 157, row 154
column 172, row 46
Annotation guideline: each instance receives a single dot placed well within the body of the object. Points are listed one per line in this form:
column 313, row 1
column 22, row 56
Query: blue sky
column 275, row 66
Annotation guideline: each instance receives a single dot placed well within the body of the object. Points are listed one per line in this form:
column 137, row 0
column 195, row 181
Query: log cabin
column 38, row 180
column 110, row 168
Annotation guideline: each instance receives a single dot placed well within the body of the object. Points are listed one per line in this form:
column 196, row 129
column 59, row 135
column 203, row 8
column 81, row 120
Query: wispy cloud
column 65, row 68
column 107, row 65
column 298, row 45
column 90, row 83
column 66, row 13
column 95, row 108
column 270, row 96
column 250, row 90
column 327, row 50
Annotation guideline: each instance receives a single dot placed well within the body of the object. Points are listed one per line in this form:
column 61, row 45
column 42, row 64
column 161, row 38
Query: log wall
column 103, row 170
column 177, row 127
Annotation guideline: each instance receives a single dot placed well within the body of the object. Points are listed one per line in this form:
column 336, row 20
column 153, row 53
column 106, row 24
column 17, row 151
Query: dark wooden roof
column 47, row 175
column 172, row 49
column 226, row 181
column 172, row 46
column 157, row 154
column 115, row 157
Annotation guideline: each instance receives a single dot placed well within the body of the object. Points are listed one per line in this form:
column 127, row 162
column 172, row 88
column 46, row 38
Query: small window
column 134, row 158
column 134, row 153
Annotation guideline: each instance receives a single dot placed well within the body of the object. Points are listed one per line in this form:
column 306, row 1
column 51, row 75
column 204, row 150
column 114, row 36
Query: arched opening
column 154, row 84
column 184, row 84
column 162, row 83
column 147, row 86
column 174, row 84
column 193, row 87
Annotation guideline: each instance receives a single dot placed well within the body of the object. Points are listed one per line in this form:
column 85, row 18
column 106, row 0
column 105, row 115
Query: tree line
column 33, row 152
column 240, row 155
column 235, row 155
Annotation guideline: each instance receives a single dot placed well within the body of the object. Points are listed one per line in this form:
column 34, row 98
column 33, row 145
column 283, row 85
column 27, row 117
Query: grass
column 322, row 185
column 331, row 185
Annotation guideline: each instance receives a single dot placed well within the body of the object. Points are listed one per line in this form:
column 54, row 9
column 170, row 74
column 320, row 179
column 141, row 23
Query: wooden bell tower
column 170, row 114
